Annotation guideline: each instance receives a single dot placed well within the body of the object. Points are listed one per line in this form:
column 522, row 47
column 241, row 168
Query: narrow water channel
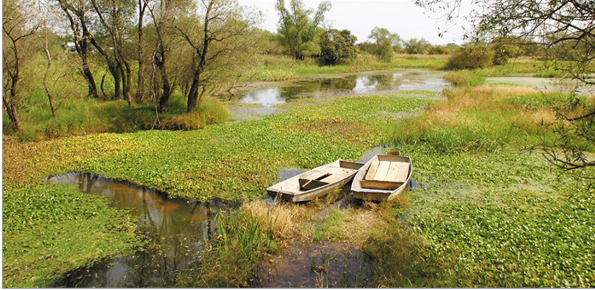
column 175, row 228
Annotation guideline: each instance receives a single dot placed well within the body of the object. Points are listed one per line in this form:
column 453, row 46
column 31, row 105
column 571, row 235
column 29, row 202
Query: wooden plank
column 337, row 175
column 385, row 185
column 382, row 171
column 372, row 170
column 402, row 171
column 398, row 172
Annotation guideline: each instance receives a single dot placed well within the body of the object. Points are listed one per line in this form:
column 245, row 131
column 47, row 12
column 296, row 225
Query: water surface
column 279, row 93
column 175, row 228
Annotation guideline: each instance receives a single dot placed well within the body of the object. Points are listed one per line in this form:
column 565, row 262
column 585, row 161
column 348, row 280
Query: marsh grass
column 462, row 124
column 81, row 116
column 229, row 259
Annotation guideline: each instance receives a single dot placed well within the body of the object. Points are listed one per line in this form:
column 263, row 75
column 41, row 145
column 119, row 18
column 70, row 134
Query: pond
column 364, row 83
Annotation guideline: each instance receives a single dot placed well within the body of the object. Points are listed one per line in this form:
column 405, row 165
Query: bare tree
column 18, row 31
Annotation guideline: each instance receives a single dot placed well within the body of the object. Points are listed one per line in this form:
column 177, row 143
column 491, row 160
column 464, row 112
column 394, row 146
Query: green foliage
column 79, row 116
column 417, row 46
column 437, row 49
column 384, row 43
column 240, row 244
column 297, row 31
column 50, row 229
column 402, row 258
column 337, row 46
column 471, row 57
column 465, row 78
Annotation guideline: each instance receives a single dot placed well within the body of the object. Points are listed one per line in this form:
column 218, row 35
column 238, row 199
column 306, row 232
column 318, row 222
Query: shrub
column 471, row 57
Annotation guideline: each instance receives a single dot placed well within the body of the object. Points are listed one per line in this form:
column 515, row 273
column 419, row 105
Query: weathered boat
column 315, row 183
column 382, row 178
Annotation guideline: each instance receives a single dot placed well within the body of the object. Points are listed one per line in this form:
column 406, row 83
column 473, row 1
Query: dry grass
column 286, row 218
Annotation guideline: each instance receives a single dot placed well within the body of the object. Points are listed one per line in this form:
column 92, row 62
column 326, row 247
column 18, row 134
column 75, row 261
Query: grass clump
column 241, row 242
column 465, row 78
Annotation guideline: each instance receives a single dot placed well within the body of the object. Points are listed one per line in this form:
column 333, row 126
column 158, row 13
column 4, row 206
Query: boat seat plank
column 338, row 175
column 398, row 172
column 382, row 171
column 372, row 170
column 385, row 185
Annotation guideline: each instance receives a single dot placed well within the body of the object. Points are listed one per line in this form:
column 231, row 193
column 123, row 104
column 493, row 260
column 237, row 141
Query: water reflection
column 359, row 84
column 174, row 228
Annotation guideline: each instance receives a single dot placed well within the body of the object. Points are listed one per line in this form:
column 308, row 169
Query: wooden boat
column 316, row 182
column 382, row 178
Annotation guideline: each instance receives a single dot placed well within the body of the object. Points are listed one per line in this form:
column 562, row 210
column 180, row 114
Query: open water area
column 263, row 99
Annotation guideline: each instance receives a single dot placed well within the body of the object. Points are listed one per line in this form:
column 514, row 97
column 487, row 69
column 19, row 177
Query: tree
column 337, row 45
column 298, row 32
column 18, row 32
column 385, row 43
column 563, row 23
column 114, row 15
column 76, row 13
column 417, row 46
column 224, row 40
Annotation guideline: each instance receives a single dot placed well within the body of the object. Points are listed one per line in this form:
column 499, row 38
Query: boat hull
column 291, row 190
column 375, row 194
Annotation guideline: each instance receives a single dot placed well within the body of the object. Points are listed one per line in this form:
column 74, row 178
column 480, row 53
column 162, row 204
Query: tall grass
column 81, row 115
column 479, row 118
column 230, row 258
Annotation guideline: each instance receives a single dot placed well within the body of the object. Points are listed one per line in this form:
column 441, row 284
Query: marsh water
column 175, row 229
column 363, row 83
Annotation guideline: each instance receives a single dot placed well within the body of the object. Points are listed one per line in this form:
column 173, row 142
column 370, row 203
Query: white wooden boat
column 316, row 182
column 382, row 178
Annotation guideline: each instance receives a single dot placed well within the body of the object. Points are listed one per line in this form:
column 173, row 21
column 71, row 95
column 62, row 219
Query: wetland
column 503, row 217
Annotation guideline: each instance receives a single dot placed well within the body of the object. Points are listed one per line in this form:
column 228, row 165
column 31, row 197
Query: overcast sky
column 360, row 17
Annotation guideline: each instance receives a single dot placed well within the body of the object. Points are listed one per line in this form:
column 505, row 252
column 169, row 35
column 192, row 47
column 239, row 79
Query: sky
column 361, row 16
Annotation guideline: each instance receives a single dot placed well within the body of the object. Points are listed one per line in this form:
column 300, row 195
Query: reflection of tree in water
column 308, row 88
column 381, row 81
column 173, row 231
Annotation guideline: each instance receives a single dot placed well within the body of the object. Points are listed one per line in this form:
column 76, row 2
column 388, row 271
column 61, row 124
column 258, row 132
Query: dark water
column 175, row 229
column 319, row 265
column 350, row 84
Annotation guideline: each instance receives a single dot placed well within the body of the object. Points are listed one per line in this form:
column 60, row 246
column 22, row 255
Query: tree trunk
column 159, row 59
column 45, row 78
column 141, row 77
column 11, row 110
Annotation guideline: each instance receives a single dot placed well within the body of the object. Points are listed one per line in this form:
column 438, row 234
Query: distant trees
column 337, row 45
column 417, row 46
column 298, row 31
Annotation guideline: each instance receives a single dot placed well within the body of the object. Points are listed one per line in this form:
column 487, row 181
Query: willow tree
column 566, row 26
column 298, row 31
column 224, row 41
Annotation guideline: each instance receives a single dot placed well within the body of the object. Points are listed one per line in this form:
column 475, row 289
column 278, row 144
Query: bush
column 471, row 57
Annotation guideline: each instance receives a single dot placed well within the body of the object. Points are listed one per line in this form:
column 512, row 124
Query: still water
column 175, row 228
column 349, row 84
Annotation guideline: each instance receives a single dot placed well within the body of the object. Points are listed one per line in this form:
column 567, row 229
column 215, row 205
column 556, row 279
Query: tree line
column 153, row 46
